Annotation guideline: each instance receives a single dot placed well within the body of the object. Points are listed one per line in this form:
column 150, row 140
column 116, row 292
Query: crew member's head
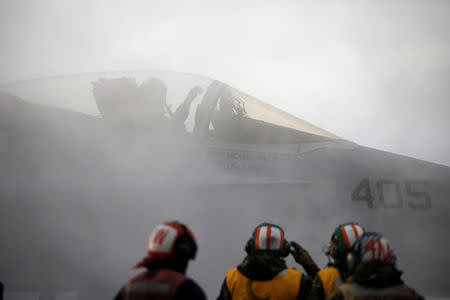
column 343, row 238
column 370, row 248
column 171, row 245
column 268, row 238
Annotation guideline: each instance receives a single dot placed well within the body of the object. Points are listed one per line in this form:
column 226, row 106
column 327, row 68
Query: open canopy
column 171, row 101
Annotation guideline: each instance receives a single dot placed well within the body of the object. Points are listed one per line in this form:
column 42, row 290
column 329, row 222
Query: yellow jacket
column 331, row 280
column 285, row 285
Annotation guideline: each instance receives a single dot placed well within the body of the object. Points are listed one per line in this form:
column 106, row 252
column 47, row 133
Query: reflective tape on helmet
column 351, row 233
column 162, row 239
column 375, row 248
column 269, row 238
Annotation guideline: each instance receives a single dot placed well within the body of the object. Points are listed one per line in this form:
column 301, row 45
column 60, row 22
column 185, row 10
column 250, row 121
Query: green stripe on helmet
column 269, row 225
column 338, row 237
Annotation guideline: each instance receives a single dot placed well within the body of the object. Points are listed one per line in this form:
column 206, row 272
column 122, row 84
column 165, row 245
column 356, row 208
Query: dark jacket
column 375, row 280
column 264, row 267
column 184, row 288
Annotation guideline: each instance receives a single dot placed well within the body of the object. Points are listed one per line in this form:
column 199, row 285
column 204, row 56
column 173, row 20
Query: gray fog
column 79, row 195
column 375, row 73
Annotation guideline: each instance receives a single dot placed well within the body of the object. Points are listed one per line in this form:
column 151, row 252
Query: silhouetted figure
column 114, row 98
column 150, row 106
column 373, row 274
column 263, row 274
column 171, row 246
column 221, row 109
column 206, row 108
column 127, row 105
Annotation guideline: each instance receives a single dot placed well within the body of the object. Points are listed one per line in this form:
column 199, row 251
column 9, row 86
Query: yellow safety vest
column 285, row 285
column 331, row 280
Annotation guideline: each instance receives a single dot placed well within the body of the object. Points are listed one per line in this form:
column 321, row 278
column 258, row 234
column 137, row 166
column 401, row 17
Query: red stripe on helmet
column 389, row 253
column 380, row 249
column 269, row 229
column 355, row 231
column 257, row 237
column 344, row 233
column 281, row 239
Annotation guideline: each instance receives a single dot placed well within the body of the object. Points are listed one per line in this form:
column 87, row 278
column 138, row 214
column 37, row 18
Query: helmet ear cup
column 184, row 247
column 352, row 258
column 286, row 250
column 350, row 262
column 250, row 246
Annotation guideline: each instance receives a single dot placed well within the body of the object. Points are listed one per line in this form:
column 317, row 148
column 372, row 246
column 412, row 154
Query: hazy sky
column 374, row 72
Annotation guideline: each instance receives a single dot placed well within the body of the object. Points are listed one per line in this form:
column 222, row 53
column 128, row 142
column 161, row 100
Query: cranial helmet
column 170, row 240
column 370, row 247
column 268, row 237
column 153, row 85
column 153, row 92
column 345, row 235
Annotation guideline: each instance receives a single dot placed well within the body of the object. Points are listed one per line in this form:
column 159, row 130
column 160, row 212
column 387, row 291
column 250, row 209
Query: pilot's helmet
column 153, row 91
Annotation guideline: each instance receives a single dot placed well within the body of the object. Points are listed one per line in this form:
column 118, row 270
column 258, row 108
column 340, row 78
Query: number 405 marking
column 417, row 193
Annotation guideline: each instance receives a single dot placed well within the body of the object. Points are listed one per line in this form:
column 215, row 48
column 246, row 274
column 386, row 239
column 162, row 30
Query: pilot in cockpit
column 142, row 107
column 154, row 112
column 220, row 109
column 150, row 105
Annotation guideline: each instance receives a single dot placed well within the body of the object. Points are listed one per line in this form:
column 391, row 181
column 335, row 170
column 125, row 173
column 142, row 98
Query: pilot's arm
column 182, row 112
column 206, row 107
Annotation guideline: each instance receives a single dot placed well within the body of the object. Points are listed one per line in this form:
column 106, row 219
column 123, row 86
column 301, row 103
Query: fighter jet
column 90, row 163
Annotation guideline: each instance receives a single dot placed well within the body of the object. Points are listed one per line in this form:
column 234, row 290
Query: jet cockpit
column 171, row 102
